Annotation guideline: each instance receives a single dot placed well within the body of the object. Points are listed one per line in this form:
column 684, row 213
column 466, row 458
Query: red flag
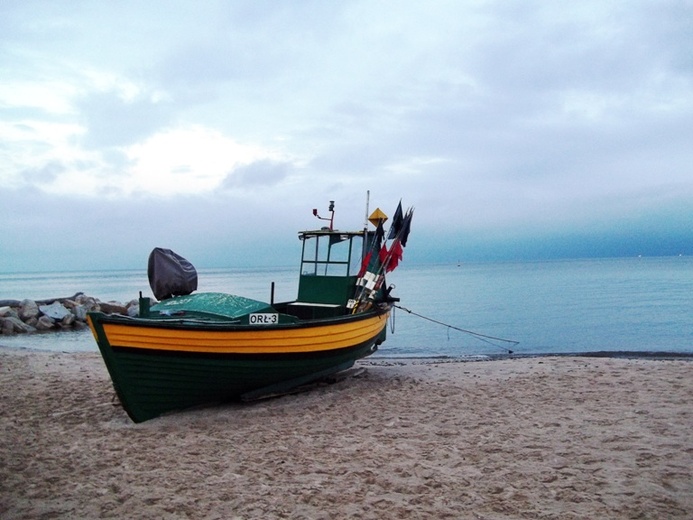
column 395, row 256
column 364, row 264
column 383, row 255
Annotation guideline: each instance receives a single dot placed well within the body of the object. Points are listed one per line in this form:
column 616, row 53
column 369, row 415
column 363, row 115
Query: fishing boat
column 186, row 349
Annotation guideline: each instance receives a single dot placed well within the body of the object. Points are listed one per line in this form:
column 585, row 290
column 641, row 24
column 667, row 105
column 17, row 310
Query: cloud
column 257, row 174
column 494, row 119
column 110, row 120
column 184, row 161
column 46, row 174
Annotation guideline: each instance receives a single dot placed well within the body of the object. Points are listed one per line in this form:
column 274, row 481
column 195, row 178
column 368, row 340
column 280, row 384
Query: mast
column 368, row 201
column 365, row 226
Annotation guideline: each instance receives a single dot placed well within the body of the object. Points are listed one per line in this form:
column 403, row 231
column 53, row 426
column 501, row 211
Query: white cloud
column 52, row 97
column 185, row 161
column 28, row 145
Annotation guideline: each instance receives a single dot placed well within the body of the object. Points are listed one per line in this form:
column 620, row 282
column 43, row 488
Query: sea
column 615, row 305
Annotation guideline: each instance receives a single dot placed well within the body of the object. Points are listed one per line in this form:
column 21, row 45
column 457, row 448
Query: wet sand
column 539, row 438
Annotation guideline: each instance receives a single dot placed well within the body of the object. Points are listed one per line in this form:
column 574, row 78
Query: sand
column 536, row 438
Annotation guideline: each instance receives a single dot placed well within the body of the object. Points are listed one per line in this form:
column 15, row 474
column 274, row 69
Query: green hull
column 150, row 383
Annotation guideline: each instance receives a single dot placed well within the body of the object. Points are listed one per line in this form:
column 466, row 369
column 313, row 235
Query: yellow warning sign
column 377, row 217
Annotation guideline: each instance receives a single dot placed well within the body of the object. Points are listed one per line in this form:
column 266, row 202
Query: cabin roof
column 328, row 232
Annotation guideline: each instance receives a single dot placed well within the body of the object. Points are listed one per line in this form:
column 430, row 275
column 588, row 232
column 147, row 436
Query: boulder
column 6, row 327
column 80, row 325
column 8, row 312
column 12, row 325
column 113, row 308
column 69, row 304
column 80, row 312
column 83, row 298
column 88, row 303
column 28, row 309
column 133, row 309
column 32, row 322
column 68, row 320
column 55, row 310
column 45, row 323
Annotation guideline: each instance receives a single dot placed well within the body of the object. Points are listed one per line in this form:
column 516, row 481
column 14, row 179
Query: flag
column 406, row 227
column 394, row 256
column 373, row 242
column 396, row 222
column 383, row 255
column 364, row 264
column 379, row 233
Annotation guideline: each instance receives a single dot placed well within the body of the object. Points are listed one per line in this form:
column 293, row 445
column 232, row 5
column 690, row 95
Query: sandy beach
column 550, row 437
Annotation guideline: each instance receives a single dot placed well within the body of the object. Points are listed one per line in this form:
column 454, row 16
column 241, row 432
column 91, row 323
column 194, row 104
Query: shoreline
column 616, row 354
column 531, row 437
column 378, row 356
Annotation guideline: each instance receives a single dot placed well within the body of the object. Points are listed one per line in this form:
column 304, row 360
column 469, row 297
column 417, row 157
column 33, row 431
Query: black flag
column 397, row 221
column 406, row 227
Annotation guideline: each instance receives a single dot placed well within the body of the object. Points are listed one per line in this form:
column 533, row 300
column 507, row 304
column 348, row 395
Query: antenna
column 330, row 218
column 368, row 203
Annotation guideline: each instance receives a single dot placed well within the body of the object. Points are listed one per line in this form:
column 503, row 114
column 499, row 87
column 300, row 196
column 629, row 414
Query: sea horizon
column 550, row 306
column 490, row 260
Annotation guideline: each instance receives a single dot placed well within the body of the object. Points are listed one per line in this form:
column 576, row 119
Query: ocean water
column 567, row 306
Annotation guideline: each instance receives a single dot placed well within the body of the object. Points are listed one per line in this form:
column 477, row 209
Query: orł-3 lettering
column 263, row 318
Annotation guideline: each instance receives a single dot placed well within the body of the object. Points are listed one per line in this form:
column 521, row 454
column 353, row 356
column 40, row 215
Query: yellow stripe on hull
column 257, row 341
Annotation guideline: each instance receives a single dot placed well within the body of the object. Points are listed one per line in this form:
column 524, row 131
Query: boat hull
column 160, row 367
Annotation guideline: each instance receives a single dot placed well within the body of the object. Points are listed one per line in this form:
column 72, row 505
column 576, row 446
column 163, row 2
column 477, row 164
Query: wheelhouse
column 330, row 262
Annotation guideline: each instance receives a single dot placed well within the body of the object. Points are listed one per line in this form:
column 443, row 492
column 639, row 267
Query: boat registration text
column 263, row 318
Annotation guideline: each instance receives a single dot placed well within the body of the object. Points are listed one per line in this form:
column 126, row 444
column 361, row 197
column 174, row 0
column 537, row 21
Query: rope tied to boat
column 481, row 337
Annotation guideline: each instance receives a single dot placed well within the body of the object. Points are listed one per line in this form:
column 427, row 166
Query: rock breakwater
column 70, row 313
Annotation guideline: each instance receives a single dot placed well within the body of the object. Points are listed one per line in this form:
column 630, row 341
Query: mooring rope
column 481, row 337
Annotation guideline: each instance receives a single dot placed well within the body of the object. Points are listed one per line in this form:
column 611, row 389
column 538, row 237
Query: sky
column 517, row 130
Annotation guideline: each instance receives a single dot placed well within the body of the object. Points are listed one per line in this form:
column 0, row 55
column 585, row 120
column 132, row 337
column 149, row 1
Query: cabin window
column 331, row 254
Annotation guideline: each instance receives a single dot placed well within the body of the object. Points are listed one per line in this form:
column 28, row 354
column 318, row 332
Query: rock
column 82, row 298
column 6, row 328
column 32, row 322
column 8, row 312
column 28, row 309
column 55, row 310
column 80, row 312
column 133, row 310
column 61, row 313
column 113, row 308
column 45, row 323
column 87, row 303
column 11, row 325
column 29, row 328
column 80, row 325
